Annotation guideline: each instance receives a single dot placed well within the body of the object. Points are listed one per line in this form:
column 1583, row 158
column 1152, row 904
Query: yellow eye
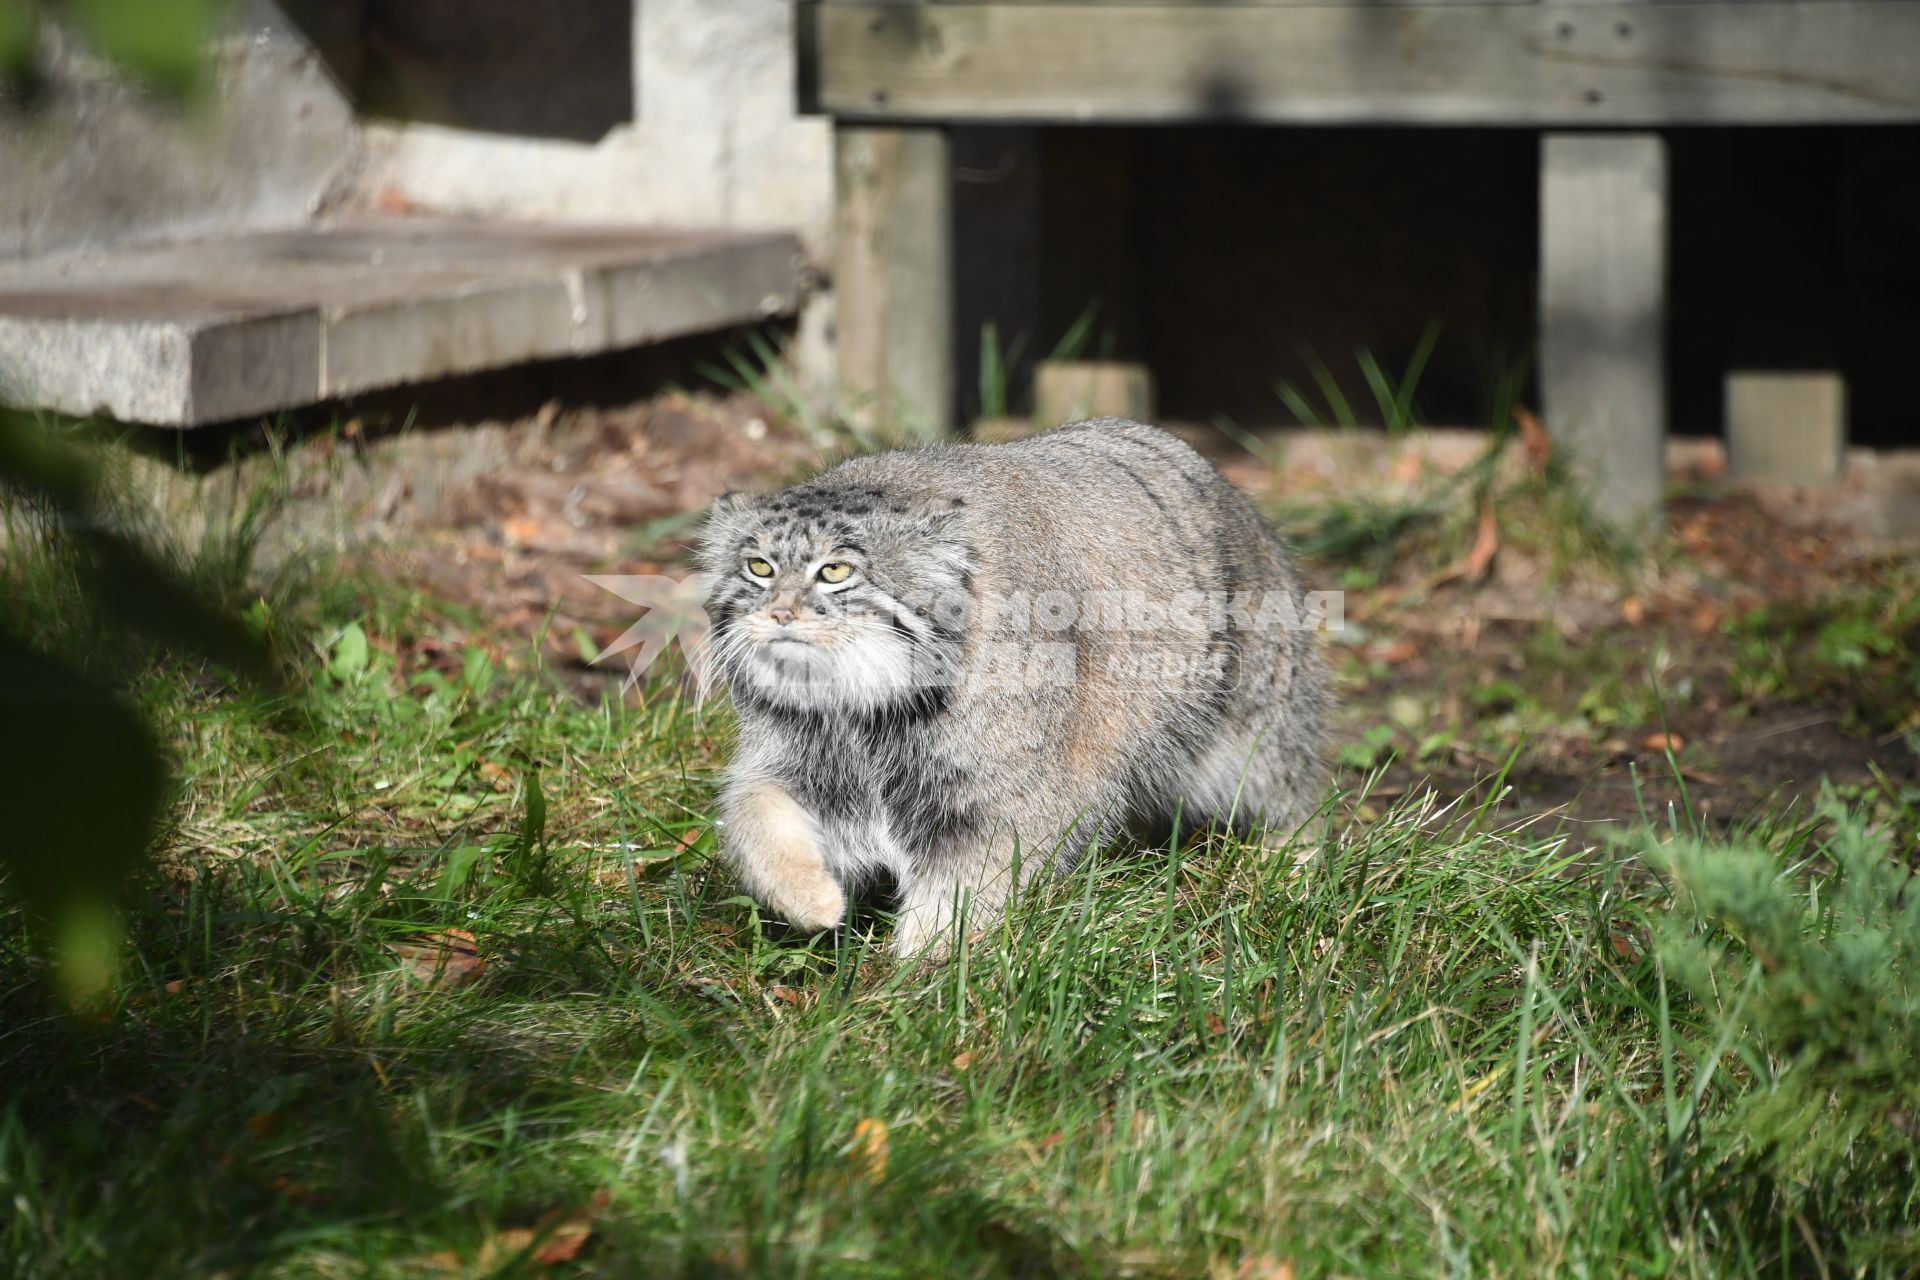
column 837, row 571
column 759, row 568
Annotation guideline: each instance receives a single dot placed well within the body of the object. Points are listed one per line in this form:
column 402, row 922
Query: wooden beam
column 1548, row 64
column 1197, row 4
column 1603, row 260
column 893, row 277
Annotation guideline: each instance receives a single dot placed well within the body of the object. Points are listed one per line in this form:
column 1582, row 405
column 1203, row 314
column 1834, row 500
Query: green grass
column 1417, row 1045
column 1859, row 648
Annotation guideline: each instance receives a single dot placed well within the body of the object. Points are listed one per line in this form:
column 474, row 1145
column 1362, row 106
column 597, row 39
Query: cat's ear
column 944, row 513
column 731, row 507
column 727, row 521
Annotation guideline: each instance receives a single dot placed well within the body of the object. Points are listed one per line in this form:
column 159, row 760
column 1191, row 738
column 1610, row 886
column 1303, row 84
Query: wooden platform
column 210, row 331
column 1594, row 79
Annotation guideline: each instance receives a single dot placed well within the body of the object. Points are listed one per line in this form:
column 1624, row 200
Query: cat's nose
column 781, row 616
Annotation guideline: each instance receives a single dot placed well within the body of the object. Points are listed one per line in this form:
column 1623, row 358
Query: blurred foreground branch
column 161, row 42
column 82, row 778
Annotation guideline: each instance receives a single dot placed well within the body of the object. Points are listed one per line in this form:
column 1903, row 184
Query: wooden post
column 1603, row 268
column 893, row 276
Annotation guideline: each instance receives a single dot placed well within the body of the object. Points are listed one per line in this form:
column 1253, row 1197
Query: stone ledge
column 213, row 330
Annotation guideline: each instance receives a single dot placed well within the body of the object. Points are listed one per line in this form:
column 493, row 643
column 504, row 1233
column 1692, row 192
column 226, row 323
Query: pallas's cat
column 962, row 663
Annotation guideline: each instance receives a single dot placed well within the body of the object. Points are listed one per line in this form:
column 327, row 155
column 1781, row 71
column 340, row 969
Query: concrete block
column 78, row 365
column 698, row 288
column 389, row 344
column 1786, row 428
column 1073, row 390
column 1000, row 430
column 215, row 330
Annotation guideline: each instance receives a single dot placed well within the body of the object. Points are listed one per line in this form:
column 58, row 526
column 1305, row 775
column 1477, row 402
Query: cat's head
column 837, row 595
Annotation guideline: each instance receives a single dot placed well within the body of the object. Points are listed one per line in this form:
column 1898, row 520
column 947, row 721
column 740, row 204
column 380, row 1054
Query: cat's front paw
column 811, row 901
column 773, row 844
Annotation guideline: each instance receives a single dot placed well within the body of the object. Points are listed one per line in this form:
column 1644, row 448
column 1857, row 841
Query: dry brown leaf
column 1664, row 742
column 497, row 775
column 870, row 1148
column 494, row 1252
column 786, row 995
column 963, row 1060
column 449, row 959
column 1633, row 611
column 556, row 1238
column 1407, row 469
column 1705, row 618
column 1535, row 443
column 1263, row 1266
column 522, row 530
column 689, row 838
column 564, row 1245
column 1399, row 652
column 293, row 1189
column 1215, row 1025
column 1051, row 1141
column 1486, row 544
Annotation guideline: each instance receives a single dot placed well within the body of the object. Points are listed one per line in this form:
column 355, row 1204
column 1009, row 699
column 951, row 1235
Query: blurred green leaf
column 17, row 23
column 81, row 782
column 81, row 775
column 529, row 861
column 87, row 953
column 1849, row 643
column 124, row 581
column 347, row 656
column 476, row 670
column 1374, row 748
column 160, row 41
column 461, row 861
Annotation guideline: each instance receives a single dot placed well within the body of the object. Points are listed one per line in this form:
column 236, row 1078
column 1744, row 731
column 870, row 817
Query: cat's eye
column 759, row 568
column 835, row 571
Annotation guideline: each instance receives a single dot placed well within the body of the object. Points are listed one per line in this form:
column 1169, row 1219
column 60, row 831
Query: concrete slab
column 208, row 331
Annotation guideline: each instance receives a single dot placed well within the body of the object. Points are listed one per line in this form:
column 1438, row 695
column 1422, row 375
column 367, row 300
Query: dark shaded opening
column 502, row 66
column 1228, row 257
column 1797, row 249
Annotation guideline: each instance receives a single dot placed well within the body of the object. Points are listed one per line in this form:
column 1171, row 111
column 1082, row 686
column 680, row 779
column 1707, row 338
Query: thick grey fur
column 876, row 732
